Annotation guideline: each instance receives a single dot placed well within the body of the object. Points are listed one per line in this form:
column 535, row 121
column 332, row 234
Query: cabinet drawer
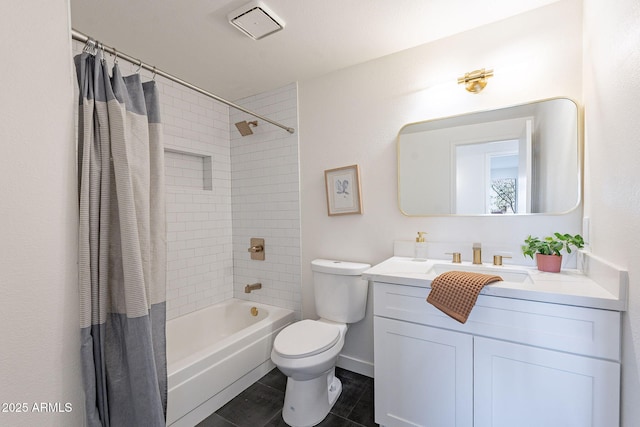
column 579, row 330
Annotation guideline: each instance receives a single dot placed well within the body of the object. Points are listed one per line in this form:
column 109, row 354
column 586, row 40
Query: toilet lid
column 305, row 338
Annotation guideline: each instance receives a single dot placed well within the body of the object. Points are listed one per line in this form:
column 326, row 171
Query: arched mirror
column 518, row 160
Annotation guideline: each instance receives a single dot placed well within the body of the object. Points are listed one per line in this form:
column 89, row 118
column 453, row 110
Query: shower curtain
column 122, row 247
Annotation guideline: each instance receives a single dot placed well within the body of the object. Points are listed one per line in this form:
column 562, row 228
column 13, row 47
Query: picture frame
column 343, row 190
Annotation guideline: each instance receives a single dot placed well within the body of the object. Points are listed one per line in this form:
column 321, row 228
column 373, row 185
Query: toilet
column 306, row 351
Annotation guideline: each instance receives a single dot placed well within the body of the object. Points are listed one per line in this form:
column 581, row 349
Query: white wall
column 612, row 121
column 353, row 116
column 266, row 199
column 39, row 319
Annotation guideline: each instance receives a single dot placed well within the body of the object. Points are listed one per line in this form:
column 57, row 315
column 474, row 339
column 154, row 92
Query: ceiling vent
column 255, row 20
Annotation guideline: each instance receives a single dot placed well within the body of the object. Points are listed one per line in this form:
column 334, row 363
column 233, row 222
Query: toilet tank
column 340, row 292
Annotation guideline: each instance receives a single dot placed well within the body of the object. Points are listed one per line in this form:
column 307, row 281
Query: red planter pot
column 549, row 263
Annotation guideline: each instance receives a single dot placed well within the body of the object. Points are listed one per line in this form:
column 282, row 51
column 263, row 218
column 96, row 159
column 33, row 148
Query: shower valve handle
column 256, row 248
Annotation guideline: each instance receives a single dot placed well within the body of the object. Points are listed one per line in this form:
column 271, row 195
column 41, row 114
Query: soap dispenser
column 421, row 247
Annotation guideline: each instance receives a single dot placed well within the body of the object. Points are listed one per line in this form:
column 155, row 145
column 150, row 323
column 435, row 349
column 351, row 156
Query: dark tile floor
column 260, row 405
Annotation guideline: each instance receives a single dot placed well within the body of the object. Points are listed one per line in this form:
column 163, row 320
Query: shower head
column 244, row 127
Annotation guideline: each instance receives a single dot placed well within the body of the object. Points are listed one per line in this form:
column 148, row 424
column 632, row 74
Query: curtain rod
column 77, row 35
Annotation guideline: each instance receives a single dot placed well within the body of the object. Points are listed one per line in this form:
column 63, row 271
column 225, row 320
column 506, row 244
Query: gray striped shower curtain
column 122, row 247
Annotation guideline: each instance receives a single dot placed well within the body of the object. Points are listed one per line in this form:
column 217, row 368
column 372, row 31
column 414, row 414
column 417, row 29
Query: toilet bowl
column 308, row 348
column 307, row 351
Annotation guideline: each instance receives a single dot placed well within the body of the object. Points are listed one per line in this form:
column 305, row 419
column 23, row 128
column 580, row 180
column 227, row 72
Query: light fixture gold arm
column 476, row 80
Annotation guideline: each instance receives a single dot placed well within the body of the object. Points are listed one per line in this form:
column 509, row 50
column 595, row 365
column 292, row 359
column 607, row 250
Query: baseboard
column 350, row 363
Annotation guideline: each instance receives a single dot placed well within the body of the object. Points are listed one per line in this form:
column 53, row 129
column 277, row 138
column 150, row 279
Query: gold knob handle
column 497, row 259
column 456, row 259
column 256, row 249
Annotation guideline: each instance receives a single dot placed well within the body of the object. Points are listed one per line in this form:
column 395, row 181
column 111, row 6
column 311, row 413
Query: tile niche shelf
column 188, row 169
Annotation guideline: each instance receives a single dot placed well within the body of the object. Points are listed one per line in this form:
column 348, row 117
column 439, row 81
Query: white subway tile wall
column 201, row 152
column 198, row 172
column 266, row 200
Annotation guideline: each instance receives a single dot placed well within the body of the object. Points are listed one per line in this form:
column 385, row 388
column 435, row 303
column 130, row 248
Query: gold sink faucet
column 477, row 253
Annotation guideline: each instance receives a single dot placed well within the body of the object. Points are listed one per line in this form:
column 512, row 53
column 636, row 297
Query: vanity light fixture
column 476, row 80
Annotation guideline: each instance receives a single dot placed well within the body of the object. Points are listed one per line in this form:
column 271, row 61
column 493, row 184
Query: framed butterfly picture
column 343, row 190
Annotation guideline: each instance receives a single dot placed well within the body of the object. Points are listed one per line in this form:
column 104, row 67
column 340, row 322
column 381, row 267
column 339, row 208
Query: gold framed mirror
column 519, row 160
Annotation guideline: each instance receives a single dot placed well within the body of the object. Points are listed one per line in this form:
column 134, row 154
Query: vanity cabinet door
column 519, row 385
column 423, row 375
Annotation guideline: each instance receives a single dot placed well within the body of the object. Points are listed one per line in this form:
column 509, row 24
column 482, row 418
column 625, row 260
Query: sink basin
column 507, row 274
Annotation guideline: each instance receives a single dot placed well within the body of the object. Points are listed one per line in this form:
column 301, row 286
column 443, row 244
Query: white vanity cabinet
column 513, row 363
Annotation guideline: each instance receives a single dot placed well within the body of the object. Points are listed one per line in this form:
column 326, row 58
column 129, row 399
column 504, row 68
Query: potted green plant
column 547, row 250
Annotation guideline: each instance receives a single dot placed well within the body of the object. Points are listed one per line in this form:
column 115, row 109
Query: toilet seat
column 305, row 338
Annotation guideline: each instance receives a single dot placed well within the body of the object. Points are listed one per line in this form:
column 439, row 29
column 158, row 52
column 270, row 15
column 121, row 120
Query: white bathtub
column 215, row 353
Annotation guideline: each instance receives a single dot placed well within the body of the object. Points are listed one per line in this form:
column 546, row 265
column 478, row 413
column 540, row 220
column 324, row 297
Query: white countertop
column 569, row 287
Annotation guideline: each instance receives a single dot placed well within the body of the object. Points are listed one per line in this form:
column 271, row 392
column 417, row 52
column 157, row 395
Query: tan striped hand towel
column 455, row 292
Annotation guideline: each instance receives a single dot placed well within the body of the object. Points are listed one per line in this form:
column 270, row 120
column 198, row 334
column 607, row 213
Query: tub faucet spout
column 252, row 287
